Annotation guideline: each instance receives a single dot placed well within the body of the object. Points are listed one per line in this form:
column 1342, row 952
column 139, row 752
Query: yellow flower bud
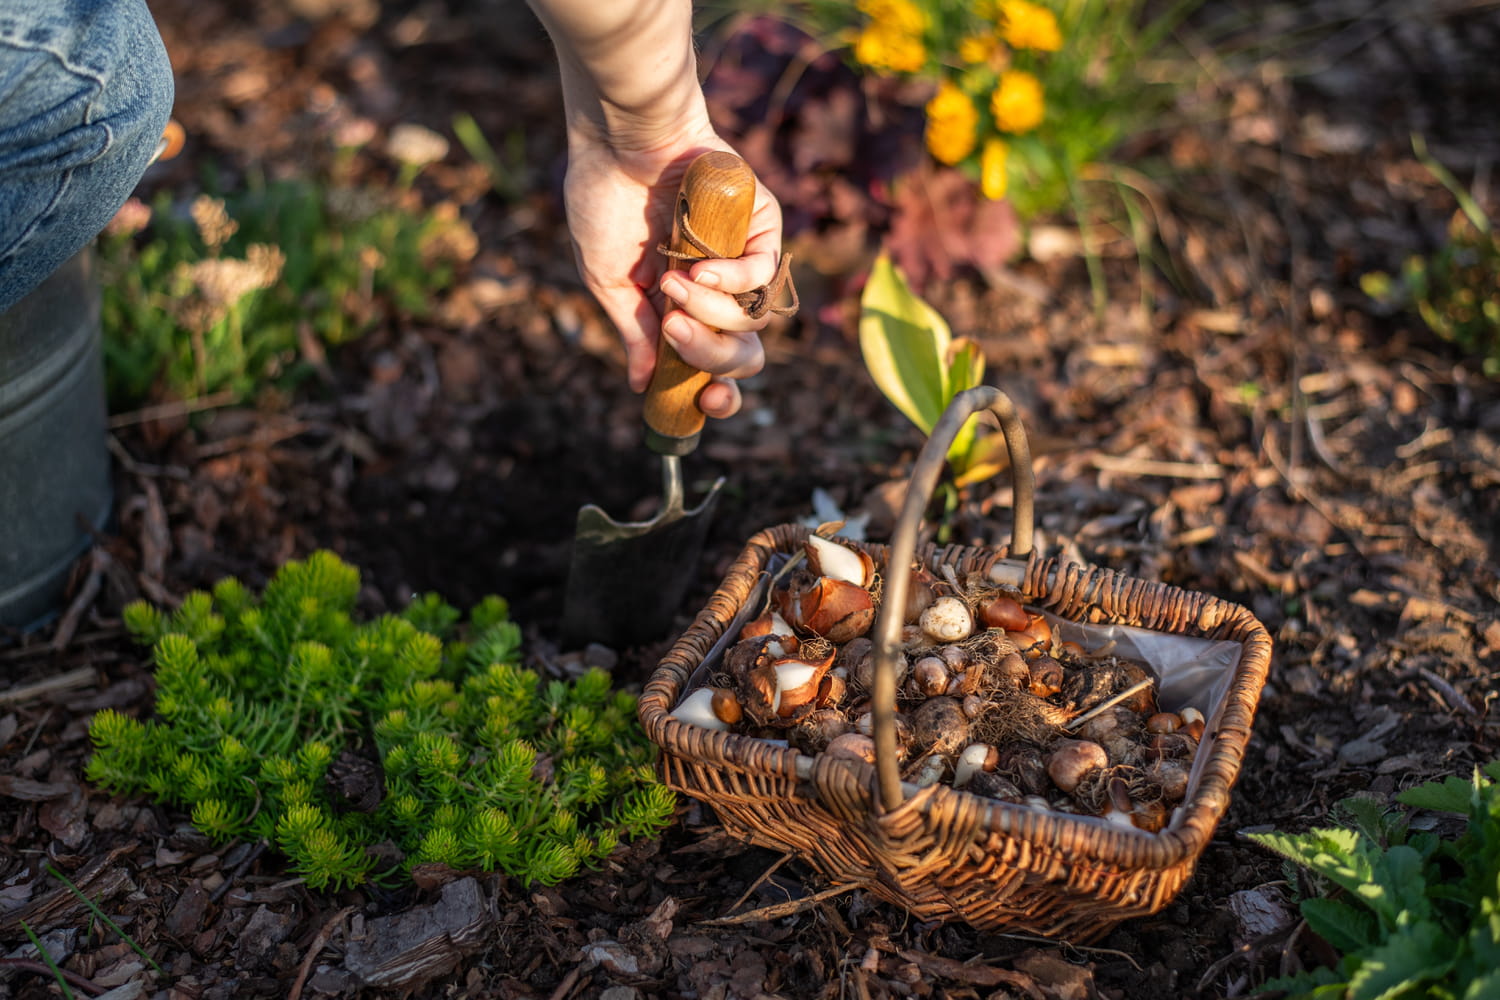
column 992, row 176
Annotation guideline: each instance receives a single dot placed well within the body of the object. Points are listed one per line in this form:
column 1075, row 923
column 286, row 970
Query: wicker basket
column 945, row 854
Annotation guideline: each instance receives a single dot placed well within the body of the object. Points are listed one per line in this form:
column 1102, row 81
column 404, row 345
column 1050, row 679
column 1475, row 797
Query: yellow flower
column 884, row 50
column 977, row 49
column 992, row 176
column 899, row 17
column 892, row 40
column 1027, row 25
column 1017, row 104
column 951, row 123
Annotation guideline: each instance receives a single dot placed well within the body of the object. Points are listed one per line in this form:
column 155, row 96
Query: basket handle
column 924, row 478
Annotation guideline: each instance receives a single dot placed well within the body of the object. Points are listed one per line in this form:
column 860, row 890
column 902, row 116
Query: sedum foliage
column 1413, row 914
column 485, row 765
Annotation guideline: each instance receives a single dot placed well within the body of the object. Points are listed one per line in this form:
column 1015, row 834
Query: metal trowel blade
column 627, row 581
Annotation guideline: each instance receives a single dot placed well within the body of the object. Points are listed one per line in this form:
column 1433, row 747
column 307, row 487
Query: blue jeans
column 85, row 91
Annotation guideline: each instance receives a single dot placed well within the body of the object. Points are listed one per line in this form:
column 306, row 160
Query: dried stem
column 1107, row 704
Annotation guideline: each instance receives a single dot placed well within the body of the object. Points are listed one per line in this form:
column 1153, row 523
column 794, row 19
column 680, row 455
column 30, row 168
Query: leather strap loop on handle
column 924, row 478
column 715, row 199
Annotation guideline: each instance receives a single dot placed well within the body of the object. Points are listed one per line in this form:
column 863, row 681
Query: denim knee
column 85, row 91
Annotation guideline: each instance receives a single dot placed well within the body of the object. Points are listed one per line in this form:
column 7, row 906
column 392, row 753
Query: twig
column 177, row 408
column 62, row 682
column 45, row 649
column 262, row 438
column 129, row 464
column 99, row 560
column 566, row 986
column 1080, row 948
column 1315, row 436
column 1304, row 492
column 318, row 941
column 760, row 881
column 73, row 978
column 36, row 732
column 777, row 910
column 1450, row 693
column 239, row 869
column 861, row 986
column 1247, row 952
column 1431, row 437
column 1158, row 467
column 1107, row 704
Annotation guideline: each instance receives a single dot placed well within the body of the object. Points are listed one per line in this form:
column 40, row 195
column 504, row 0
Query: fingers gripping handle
column 712, row 218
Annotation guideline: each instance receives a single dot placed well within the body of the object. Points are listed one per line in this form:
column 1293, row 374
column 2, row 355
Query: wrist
column 647, row 119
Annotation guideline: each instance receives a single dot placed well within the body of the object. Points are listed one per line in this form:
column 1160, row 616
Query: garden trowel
column 626, row 581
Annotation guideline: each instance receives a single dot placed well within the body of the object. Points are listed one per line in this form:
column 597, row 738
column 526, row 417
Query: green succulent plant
column 473, row 761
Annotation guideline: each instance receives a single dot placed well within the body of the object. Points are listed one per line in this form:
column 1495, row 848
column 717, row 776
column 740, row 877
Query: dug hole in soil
column 1238, row 420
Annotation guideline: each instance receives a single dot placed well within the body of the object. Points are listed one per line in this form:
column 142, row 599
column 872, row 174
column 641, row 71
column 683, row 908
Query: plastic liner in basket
column 940, row 852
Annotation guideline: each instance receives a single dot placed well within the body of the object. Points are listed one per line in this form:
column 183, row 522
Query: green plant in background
column 1025, row 95
column 263, row 703
column 1413, row 914
column 236, row 292
column 920, row 366
column 508, row 175
column 1457, row 290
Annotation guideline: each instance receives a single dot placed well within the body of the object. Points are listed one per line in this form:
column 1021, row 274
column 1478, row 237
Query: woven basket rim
column 1072, row 583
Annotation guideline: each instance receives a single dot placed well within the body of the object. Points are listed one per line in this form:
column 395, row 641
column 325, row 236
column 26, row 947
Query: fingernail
column 675, row 328
column 708, row 279
column 674, row 285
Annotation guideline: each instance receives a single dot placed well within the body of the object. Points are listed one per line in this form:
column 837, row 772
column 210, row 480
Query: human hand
column 620, row 203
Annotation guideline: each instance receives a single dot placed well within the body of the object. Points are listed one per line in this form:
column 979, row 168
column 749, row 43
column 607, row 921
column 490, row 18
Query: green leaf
column 1403, row 885
column 1346, row 927
column 1418, row 954
column 1315, row 984
column 905, row 345
column 1484, row 987
column 1452, row 794
column 965, row 370
column 1337, row 854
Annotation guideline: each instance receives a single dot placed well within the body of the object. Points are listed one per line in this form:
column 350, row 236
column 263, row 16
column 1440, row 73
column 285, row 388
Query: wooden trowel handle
column 716, row 198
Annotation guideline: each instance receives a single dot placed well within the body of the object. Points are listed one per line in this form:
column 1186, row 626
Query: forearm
column 629, row 72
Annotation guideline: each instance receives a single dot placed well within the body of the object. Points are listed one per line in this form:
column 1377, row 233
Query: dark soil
column 1238, row 419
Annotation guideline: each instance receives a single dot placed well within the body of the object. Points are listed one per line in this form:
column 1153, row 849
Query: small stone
column 133, row 990
column 330, row 980
column 612, row 957
column 1260, row 911
column 261, row 934
column 1361, row 751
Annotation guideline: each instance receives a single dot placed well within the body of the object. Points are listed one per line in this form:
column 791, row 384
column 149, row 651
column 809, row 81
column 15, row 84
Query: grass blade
column 57, row 974
column 104, row 917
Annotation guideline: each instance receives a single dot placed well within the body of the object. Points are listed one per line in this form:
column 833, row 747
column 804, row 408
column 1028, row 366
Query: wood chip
column 33, row 791
column 971, row 972
column 408, row 949
column 49, row 685
column 101, row 881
